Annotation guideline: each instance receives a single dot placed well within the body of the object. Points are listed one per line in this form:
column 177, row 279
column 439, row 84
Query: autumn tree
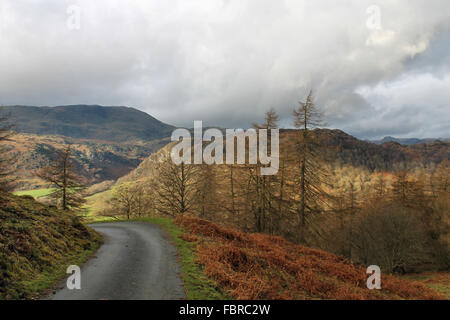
column 62, row 175
column 409, row 191
column 206, row 190
column 312, row 172
column 380, row 187
column 264, row 205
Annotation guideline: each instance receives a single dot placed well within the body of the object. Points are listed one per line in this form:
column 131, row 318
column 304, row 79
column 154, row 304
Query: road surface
column 136, row 261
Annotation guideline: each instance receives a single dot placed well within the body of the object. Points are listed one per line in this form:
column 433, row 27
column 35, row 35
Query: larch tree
column 62, row 175
column 263, row 186
column 312, row 173
column 206, row 194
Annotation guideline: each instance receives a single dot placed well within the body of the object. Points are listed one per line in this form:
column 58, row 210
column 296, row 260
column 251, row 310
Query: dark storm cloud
column 225, row 62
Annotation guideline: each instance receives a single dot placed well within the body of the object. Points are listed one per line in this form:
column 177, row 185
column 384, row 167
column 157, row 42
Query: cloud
column 226, row 62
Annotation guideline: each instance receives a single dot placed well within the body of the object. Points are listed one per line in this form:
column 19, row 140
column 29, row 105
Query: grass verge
column 47, row 279
column 37, row 244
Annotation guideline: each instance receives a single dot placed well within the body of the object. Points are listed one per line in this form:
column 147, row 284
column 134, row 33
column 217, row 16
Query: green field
column 37, row 193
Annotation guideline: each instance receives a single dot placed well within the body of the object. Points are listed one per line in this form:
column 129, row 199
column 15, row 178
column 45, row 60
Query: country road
column 136, row 261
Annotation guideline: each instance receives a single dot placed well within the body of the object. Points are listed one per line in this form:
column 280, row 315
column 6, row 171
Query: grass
column 196, row 283
column 37, row 193
column 48, row 278
column 98, row 202
column 37, row 244
column 438, row 281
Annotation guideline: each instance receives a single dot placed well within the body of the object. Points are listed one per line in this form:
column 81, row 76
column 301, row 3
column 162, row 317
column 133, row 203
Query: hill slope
column 256, row 266
column 344, row 149
column 93, row 122
column 95, row 161
column 408, row 141
column 37, row 244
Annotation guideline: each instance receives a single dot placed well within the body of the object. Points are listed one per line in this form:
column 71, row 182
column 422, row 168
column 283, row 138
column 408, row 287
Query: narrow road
column 137, row 261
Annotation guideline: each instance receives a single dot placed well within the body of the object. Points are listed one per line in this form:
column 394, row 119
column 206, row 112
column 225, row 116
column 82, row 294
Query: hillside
column 398, row 192
column 116, row 124
column 255, row 266
column 95, row 161
column 37, row 244
column 407, row 141
column 344, row 149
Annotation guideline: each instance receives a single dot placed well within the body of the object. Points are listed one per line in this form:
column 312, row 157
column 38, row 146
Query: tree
column 206, row 186
column 263, row 186
column 312, row 173
column 61, row 175
column 408, row 191
column 124, row 199
column 390, row 236
column 380, row 187
column 6, row 159
column 270, row 121
column 176, row 190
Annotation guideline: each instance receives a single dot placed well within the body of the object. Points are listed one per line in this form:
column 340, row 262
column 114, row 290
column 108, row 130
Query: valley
column 136, row 180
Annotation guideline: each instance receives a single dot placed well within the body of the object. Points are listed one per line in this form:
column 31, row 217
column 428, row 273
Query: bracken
column 257, row 266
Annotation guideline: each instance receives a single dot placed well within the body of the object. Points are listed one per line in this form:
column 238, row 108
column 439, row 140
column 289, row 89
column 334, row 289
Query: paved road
column 137, row 261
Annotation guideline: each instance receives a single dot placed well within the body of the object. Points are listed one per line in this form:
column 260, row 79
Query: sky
column 376, row 68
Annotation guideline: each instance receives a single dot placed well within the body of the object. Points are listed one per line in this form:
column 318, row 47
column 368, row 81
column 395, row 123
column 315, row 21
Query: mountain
column 94, row 122
column 407, row 141
column 343, row 149
column 96, row 161
column 107, row 142
column 389, row 156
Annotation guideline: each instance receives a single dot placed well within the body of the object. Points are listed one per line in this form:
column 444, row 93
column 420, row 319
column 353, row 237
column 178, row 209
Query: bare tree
column 312, row 174
column 61, row 174
column 206, row 186
column 124, row 199
column 176, row 190
column 391, row 236
column 264, row 186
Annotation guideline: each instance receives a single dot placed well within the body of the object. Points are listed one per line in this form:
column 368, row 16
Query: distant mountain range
column 109, row 142
column 408, row 141
column 93, row 122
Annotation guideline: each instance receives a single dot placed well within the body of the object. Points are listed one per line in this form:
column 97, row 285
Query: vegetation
column 336, row 206
column 256, row 266
column 335, row 196
column 36, row 194
column 61, row 174
column 438, row 281
column 96, row 161
column 37, row 244
column 5, row 158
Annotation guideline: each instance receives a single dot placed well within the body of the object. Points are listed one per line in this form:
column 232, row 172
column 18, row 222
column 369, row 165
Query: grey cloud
column 226, row 62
